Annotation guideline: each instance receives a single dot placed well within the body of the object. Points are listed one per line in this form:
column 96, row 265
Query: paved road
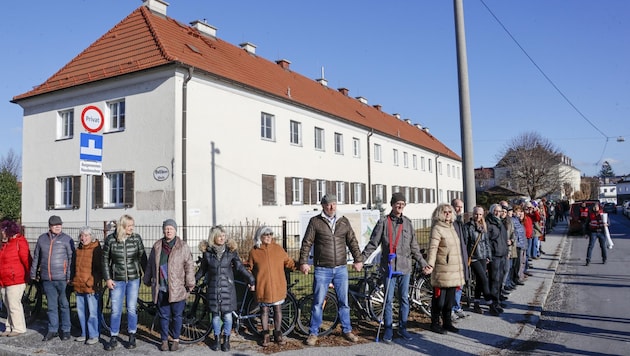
column 480, row 334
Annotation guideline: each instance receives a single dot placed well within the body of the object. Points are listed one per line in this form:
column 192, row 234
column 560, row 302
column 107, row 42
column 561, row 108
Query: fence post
column 284, row 234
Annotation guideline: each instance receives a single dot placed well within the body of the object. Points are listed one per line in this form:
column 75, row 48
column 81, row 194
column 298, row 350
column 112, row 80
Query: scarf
column 219, row 250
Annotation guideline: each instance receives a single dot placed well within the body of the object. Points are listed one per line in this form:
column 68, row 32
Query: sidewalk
column 479, row 334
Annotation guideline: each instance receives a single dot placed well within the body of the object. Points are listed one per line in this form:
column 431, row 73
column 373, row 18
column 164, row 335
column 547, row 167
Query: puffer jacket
column 53, row 257
column 519, row 233
column 15, row 262
column 407, row 248
column 88, row 268
column 445, row 256
column 329, row 247
column 483, row 251
column 497, row 236
column 181, row 271
column 123, row 260
column 219, row 275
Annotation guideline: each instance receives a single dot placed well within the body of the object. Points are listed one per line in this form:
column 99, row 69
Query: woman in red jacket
column 15, row 262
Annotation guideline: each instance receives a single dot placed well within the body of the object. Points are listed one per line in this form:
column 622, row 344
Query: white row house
column 206, row 132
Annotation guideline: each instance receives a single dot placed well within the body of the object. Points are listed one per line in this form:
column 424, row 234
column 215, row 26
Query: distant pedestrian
column 52, row 257
column 596, row 227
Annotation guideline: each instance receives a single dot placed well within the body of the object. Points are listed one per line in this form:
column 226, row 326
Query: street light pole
column 213, row 184
column 468, row 170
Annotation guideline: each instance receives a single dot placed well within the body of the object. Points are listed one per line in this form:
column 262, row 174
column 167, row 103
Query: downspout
column 437, row 180
column 369, row 168
column 184, row 138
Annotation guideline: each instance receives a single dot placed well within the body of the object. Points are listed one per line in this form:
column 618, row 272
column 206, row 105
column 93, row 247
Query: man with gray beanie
column 399, row 247
column 52, row 257
column 171, row 274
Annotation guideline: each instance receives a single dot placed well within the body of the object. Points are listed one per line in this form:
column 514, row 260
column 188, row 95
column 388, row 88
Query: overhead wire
column 542, row 72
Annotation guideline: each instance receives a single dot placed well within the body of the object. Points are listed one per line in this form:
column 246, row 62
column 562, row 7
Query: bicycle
column 249, row 311
column 366, row 296
column 32, row 299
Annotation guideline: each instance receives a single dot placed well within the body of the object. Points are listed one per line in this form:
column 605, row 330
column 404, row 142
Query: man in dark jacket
column 329, row 234
column 497, row 237
column 52, row 257
column 395, row 234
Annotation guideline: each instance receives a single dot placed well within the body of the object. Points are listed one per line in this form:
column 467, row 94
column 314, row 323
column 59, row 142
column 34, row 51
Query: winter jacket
column 88, row 268
column 181, row 271
column 458, row 225
column 15, row 261
column 482, row 251
column 445, row 256
column 528, row 224
column 385, row 234
column 519, row 233
column 123, row 260
column 329, row 243
column 497, row 236
column 509, row 227
column 53, row 257
column 219, row 275
column 268, row 263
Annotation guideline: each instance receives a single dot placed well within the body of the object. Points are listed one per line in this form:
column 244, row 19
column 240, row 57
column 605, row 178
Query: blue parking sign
column 91, row 147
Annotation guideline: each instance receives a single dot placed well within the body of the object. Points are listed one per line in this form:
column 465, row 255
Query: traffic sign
column 92, row 119
column 91, row 147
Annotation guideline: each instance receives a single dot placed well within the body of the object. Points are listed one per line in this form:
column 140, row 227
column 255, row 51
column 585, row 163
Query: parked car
column 610, row 208
column 575, row 226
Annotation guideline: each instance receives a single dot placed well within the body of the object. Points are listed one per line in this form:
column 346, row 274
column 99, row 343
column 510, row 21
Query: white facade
column 230, row 117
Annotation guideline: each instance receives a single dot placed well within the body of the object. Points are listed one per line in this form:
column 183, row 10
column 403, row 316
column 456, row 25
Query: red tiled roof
column 145, row 40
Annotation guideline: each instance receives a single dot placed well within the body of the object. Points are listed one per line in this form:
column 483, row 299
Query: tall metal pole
column 214, row 195
column 88, row 194
column 470, row 198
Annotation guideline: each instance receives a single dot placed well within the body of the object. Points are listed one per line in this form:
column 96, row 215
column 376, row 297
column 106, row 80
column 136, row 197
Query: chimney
column 419, row 126
column 158, row 6
column 322, row 81
column 408, row 121
column 397, row 115
column 362, row 99
column 426, row 129
column 343, row 91
column 249, row 47
column 283, row 63
column 203, row 27
column 377, row 107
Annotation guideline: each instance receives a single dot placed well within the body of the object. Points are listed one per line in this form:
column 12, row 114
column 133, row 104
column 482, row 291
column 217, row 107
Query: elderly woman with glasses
column 268, row 261
column 445, row 261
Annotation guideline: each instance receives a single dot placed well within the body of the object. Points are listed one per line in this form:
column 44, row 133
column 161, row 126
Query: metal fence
column 287, row 234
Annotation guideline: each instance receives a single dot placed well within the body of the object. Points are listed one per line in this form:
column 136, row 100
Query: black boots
column 225, row 346
column 113, row 342
column 132, row 341
column 278, row 338
column 216, row 344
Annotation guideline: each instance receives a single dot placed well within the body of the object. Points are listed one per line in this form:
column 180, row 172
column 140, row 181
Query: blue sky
column 399, row 54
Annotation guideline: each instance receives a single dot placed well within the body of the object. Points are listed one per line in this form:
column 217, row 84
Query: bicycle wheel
column 376, row 303
column 330, row 314
column 420, row 294
column 105, row 311
column 289, row 316
column 196, row 323
column 32, row 301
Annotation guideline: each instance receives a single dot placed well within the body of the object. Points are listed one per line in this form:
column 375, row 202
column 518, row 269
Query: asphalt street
column 479, row 334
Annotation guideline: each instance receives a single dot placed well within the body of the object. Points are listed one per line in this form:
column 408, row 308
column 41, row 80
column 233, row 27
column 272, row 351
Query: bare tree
column 11, row 162
column 532, row 166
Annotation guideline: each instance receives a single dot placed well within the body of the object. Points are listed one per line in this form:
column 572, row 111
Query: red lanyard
column 390, row 228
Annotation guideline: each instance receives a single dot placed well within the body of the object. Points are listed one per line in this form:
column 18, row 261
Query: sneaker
column 461, row 314
column 175, row 346
column 454, row 317
column 92, row 341
column 351, row 337
column 65, row 336
column 388, row 335
column 4, row 333
column 14, row 333
column 50, row 335
column 311, row 340
column 403, row 333
column 164, row 346
column 80, row 339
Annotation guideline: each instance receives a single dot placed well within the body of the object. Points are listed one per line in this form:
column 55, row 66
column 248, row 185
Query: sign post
column 91, row 150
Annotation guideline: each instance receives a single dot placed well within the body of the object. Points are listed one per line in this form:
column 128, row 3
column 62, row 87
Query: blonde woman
column 445, row 260
column 124, row 259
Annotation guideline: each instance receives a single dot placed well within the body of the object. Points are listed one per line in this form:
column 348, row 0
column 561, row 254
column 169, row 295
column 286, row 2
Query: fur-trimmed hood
column 206, row 245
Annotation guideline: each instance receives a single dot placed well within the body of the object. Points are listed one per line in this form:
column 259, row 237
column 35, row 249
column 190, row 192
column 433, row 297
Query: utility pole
column 465, row 121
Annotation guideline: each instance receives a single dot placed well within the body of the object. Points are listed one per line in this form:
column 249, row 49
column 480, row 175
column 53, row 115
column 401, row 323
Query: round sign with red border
column 92, row 119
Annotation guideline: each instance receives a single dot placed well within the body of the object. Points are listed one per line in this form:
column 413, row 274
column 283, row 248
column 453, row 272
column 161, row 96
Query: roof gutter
column 184, row 138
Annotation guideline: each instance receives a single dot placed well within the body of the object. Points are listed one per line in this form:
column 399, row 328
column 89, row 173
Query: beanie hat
column 54, row 220
column 169, row 222
column 396, row 197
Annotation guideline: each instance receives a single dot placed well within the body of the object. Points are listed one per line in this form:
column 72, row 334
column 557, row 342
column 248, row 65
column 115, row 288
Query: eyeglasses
column 268, row 234
column 448, row 212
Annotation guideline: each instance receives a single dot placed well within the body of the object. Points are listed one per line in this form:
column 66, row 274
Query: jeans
column 128, row 291
column 227, row 323
column 533, row 247
column 400, row 284
column 57, row 303
column 481, row 279
column 91, row 301
column 339, row 277
column 167, row 310
column 591, row 243
column 458, row 299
